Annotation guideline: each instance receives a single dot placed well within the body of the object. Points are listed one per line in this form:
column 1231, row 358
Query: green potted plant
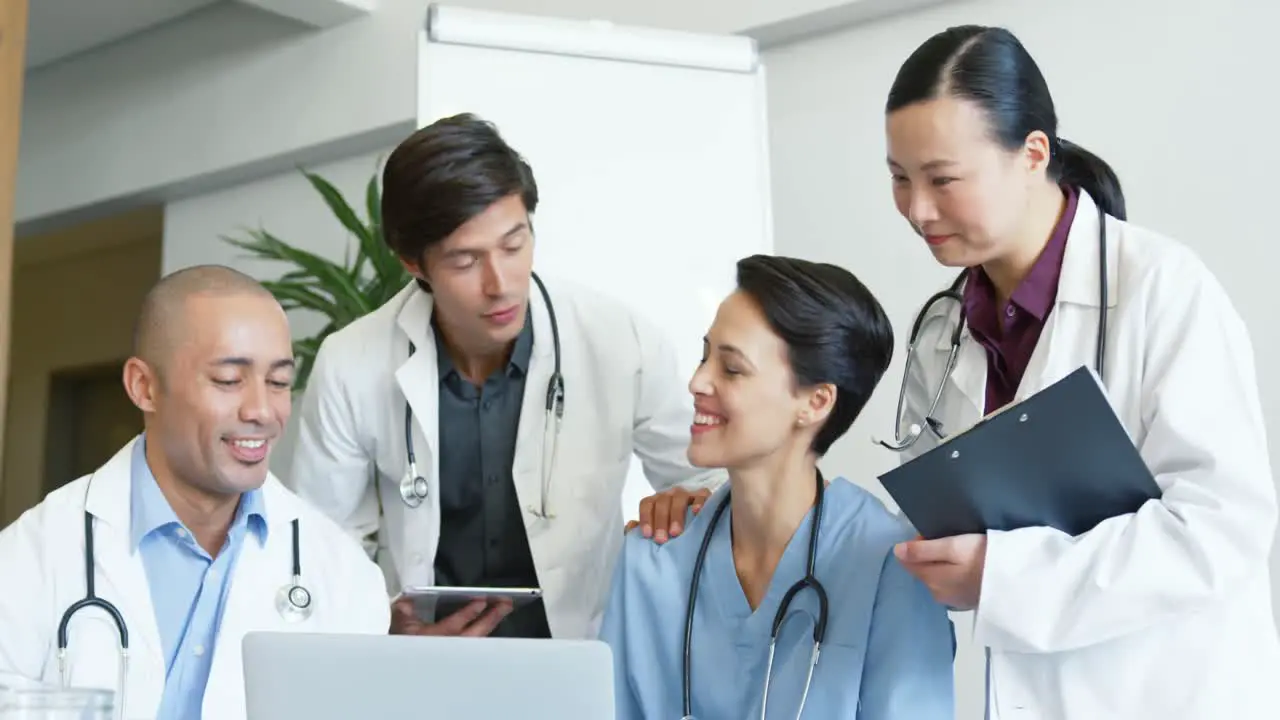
column 370, row 275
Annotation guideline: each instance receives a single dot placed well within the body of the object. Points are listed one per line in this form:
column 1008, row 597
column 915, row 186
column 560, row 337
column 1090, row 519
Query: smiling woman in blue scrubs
column 791, row 358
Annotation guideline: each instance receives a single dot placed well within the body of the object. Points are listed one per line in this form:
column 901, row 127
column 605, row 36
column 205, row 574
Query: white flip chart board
column 650, row 149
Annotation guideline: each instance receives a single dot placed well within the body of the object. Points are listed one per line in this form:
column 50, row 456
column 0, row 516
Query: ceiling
column 60, row 28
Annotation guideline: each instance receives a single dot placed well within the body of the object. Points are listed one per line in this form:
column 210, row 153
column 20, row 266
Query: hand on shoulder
column 662, row 515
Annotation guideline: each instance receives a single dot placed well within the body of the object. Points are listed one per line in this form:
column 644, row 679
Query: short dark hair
column 835, row 330
column 990, row 67
column 444, row 175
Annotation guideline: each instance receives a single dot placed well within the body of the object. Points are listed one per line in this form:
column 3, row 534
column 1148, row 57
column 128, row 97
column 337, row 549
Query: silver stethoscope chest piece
column 293, row 601
column 413, row 487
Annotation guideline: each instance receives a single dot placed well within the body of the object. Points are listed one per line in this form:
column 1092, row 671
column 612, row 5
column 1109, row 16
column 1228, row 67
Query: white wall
column 1166, row 92
column 211, row 99
column 284, row 204
column 232, row 93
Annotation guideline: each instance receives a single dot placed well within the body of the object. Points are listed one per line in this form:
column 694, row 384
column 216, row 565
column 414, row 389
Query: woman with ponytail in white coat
column 1161, row 614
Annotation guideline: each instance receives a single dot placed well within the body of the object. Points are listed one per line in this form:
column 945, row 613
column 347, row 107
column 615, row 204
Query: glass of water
column 52, row 703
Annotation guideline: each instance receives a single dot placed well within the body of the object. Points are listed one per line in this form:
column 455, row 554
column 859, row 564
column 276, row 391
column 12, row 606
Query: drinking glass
column 53, row 703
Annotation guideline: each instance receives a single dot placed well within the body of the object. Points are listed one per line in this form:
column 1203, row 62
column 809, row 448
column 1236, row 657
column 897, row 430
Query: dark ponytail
column 990, row 67
column 1079, row 168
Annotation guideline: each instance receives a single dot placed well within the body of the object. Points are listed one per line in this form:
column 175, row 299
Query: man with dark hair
column 437, row 419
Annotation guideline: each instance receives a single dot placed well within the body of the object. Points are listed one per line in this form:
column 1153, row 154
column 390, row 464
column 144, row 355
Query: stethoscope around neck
column 955, row 295
column 414, row 487
column 808, row 582
column 293, row 603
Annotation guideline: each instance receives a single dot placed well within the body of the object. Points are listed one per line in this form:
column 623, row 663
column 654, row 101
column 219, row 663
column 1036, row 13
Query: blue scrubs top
column 889, row 646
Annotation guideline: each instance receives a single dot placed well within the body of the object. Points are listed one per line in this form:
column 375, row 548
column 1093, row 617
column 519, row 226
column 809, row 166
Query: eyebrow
column 931, row 165
column 732, row 350
column 518, row 227
column 238, row 361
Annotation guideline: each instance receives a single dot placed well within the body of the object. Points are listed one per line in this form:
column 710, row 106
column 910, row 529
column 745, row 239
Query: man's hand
column 477, row 619
column 950, row 567
column 662, row 515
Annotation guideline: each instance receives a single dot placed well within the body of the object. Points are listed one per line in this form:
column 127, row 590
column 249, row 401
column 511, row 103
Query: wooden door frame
column 13, row 50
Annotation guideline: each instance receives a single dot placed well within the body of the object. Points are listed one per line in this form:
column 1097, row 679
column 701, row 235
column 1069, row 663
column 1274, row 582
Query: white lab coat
column 1161, row 614
column 624, row 394
column 42, row 566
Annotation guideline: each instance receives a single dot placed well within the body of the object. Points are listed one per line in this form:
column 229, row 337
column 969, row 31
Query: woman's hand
column 950, row 567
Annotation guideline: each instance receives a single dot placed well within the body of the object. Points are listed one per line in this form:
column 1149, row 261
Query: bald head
column 212, row 373
column 163, row 316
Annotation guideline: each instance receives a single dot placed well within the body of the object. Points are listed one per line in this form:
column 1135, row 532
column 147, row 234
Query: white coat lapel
column 1069, row 338
column 121, row 578
column 260, row 572
column 419, row 376
column 419, row 381
column 533, row 445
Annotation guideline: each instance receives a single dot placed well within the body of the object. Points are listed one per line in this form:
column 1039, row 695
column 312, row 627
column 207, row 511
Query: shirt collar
column 150, row 511
column 1038, row 290
column 518, row 365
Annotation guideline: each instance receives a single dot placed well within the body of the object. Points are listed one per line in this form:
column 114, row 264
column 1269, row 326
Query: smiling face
column 218, row 396
column 745, row 400
column 961, row 191
column 479, row 276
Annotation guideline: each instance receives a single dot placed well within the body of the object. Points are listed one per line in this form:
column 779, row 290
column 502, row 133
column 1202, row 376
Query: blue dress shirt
column 188, row 587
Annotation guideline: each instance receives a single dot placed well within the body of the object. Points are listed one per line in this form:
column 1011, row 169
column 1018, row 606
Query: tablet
column 434, row 603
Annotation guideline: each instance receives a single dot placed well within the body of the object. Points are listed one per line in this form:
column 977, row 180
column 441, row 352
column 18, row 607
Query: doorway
column 90, row 419
column 76, row 294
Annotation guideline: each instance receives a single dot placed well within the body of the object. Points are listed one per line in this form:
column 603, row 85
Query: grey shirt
column 482, row 535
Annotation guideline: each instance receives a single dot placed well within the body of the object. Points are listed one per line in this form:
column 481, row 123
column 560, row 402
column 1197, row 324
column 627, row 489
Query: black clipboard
column 1061, row 458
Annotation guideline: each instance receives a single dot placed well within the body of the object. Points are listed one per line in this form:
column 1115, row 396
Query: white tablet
column 434, row 603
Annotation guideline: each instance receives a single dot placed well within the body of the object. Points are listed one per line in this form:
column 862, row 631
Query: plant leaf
column 293, row 295
column 304, row 356
column 373, row 202
column 381, row 258
column 329, row 277
column 339, row 206
column 370, row 274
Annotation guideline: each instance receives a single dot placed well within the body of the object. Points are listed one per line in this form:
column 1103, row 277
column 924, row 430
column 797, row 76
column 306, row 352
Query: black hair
column 835, row 330
column 989, row 66
column 444, row 175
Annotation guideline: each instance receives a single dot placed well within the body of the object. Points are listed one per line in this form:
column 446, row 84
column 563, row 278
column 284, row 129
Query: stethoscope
column 809, row 581
column 414, row 487
column 293, row 602
column 953, row 293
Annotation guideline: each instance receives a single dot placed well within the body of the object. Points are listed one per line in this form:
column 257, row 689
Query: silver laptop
column 304, row 676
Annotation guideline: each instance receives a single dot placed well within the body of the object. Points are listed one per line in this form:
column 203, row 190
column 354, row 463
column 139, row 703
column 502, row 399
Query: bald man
column 194, row 541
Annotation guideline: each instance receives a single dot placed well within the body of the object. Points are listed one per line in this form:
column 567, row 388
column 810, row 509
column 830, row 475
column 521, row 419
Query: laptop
column 311, row 676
